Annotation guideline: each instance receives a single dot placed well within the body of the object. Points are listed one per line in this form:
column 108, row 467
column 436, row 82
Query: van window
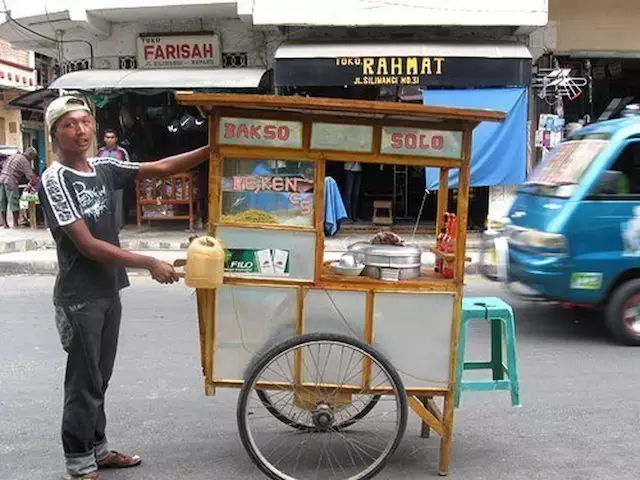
column 627, row 168
column 563, row 167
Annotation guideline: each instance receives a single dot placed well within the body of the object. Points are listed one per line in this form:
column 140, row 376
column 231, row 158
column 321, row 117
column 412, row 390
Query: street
column 578, row 420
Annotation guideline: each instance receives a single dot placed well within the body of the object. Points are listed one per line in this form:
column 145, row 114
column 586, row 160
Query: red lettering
column 437, row 142
column 229, row 130
column 305, row 207
column 270, row 132
column 424, row 142
column 196, row 52
column 283, row 133
column 207, row 50
column 159, row 52
column 242, row 131
column 291, row 184
column 255, row 132
column 250, row 183
column 265, row 184
column 396, row 140
column 410, row 141
column 148, row 51
column 171, row 51
column 237, row 183
column 185, row 51
column 278, row 184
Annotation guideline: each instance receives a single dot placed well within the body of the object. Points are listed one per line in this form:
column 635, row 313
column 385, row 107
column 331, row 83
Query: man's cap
column 61, row 106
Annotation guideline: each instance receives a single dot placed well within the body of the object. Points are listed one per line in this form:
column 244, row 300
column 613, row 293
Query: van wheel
column 623, row 313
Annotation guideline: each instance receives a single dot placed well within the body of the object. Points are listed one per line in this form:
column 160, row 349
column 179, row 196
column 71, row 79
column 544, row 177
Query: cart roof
column 339, row 107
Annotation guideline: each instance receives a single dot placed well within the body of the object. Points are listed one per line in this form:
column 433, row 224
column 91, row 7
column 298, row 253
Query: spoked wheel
column 369, row 402
column 315, row 384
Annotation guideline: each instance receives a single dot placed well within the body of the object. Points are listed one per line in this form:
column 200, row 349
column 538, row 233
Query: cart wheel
column 280, row 415
column 327, row 399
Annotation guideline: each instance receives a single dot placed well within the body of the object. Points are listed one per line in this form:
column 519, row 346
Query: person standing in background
column 352, row 183
column 111, row 149
column 14, row 168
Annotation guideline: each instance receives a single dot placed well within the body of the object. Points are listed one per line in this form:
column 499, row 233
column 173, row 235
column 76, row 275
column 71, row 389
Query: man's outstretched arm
column 180, row 163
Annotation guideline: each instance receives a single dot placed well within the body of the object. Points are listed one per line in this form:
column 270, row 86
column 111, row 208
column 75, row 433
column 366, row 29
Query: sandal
column 115, row 459
column 86, row 476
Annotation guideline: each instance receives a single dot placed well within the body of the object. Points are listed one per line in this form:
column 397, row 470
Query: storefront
column 140, row 106
column 494, row 76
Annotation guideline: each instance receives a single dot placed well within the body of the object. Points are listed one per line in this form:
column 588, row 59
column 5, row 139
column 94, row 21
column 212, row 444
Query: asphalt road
column 580, row 392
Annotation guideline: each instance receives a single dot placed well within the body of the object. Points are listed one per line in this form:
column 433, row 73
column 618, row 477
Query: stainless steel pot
column 358, row 250
column 403, row 273
column 392, row 256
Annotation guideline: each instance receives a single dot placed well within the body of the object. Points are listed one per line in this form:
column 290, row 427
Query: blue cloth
column 498, row 150
column 334, row 211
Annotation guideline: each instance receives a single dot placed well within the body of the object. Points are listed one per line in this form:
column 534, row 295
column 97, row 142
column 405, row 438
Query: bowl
column 354, row 271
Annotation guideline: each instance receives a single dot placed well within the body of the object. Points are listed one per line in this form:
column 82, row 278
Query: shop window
column 273, row 192
column 128, row 62
column 75, row 65
column 234, row 60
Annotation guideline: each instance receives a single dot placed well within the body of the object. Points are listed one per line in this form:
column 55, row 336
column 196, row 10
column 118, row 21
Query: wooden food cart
column 333, row 361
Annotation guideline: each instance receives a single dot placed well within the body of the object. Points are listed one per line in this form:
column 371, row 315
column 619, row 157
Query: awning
column 423, row 64
column 498, row 150
column 236, row 79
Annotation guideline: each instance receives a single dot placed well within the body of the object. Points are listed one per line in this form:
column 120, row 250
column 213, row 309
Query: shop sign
column 260, row 133
column 249, row 261
column 420, row 142
column 348, row 138
column 179, row 51
column 392, row 70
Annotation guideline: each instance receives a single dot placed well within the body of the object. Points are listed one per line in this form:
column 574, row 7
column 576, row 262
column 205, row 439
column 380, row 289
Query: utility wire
column 45, row 37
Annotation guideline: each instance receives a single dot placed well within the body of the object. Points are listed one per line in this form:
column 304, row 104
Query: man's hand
column 163, row 272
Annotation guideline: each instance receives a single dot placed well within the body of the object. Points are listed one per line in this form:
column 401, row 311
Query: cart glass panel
column 267, row 191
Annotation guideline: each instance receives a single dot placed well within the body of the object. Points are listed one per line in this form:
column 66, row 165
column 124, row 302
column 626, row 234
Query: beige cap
column 61, row 106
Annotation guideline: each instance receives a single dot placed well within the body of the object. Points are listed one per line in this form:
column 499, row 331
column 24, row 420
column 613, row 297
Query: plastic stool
column 502, row 321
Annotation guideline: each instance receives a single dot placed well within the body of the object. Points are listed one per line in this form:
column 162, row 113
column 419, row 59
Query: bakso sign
column 260, row 133
column 420, row 142
column 179, row 51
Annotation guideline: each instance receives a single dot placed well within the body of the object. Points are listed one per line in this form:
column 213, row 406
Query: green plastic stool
column 505, row 377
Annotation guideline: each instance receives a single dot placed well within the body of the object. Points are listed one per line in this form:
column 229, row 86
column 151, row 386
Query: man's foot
column 86, row 476
column 115, row 459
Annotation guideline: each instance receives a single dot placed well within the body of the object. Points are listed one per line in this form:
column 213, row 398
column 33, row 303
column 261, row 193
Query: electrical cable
column 45, row 37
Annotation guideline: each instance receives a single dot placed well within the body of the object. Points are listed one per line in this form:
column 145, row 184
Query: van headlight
column 552, row 243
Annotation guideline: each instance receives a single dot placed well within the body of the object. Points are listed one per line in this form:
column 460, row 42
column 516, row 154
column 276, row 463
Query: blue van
column 574, row 228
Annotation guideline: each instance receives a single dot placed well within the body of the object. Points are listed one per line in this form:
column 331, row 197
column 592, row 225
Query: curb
column 28, row 245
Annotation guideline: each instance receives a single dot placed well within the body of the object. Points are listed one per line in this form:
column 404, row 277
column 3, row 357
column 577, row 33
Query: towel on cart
column 334, row 211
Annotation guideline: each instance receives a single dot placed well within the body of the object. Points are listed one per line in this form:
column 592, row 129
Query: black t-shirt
column 67, row 196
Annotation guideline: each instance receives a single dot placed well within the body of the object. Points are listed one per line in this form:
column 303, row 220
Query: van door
column 604, row 232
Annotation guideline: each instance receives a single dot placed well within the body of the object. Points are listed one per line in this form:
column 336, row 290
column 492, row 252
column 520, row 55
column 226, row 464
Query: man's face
column 74, row 132
column 110, row 140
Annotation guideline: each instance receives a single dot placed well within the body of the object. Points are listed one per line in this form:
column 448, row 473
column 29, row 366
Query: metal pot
column 358, row 249
column 392, row 256
column 403, row 273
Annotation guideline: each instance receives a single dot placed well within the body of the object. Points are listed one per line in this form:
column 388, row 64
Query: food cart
column 328, row 360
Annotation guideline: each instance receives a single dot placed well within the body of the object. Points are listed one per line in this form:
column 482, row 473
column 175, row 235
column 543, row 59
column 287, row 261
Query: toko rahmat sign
column 179, row 51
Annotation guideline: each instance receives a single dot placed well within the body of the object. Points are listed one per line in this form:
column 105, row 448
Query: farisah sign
column 391, row 70
column 179, row 51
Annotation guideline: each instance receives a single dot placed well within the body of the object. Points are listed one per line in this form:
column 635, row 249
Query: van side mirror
column 609, row 183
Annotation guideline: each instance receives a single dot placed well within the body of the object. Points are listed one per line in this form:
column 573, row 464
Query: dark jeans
column 352, row 182
column 119, row 209
column 89, row 334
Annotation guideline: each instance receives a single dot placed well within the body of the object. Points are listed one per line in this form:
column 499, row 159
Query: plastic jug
column 205, row 263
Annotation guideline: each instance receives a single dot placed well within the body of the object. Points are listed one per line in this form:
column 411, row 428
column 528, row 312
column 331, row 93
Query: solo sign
column 179, row 51
column 421, row 142
column 260, row 133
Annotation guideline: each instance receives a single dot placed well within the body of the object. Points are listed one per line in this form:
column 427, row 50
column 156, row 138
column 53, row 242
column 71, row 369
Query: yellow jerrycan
column 205, row 263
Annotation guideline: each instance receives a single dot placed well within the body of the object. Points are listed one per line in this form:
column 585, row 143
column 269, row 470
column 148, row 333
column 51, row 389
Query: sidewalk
column 32, row 252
